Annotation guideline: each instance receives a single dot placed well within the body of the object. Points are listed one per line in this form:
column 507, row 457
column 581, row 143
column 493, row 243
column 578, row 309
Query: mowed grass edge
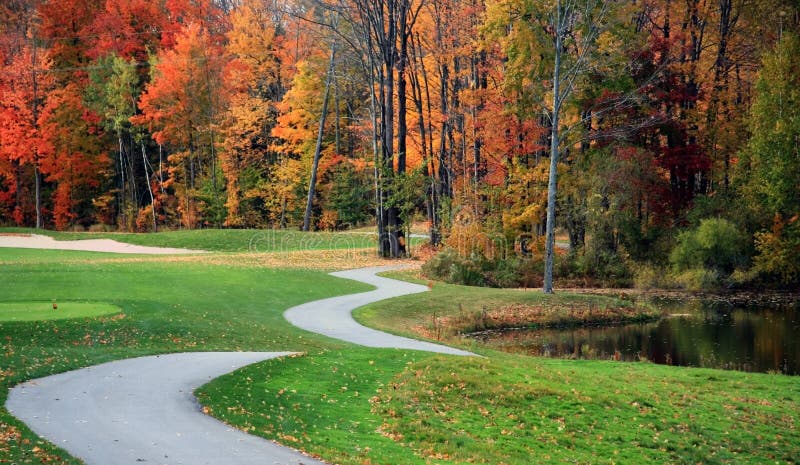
column 165, row 306
column 338, row 400
column 44, row 310
column 449, row 310
column 393, row 407
column 397, row 407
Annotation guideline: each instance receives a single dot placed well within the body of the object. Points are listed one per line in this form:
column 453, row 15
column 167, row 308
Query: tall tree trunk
column 444, row 167
column 312, row 183
column 38, row 194
column 396, row 220
column 389, row 244
column 435, row 184
column 123, row 202
column 727, row 24
column 376, row 156
column 554, row 140
column 431, row 208
column 35, row 117
column 149, row 187
column 402, row 65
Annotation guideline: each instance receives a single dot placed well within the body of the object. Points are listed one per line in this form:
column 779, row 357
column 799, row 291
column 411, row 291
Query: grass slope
column 166, row 307
column 518, row 410
column 320, row 403
column 449, row 309
column 392, row 407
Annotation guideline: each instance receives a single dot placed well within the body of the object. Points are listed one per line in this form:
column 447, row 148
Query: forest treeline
column 676, row 124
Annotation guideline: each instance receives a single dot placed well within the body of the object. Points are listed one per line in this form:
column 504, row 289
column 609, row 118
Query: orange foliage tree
column 181, row 107
column 24, row 85
column 255, row 77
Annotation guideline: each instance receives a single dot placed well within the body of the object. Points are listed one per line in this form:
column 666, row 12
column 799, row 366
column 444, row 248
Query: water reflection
column 712, row 334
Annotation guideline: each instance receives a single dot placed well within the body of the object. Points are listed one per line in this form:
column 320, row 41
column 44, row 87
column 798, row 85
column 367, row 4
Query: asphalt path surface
column 332, row 317
column 143, row 411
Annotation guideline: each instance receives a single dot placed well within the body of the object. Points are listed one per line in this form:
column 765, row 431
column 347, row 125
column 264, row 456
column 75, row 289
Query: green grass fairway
column 165, row 306
column 390, row 407
column 357, row 406
column 35, row 311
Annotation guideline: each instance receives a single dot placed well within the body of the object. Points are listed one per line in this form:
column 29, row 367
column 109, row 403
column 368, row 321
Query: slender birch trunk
column 312, row 183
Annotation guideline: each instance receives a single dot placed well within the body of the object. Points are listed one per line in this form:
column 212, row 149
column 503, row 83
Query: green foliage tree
column 770, row 164
column 717, row 244
column 769, row 167
column 113, row 89
column 350, row 195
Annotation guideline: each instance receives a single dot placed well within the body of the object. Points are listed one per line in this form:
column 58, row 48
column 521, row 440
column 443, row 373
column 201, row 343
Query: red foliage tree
column 128, row 28
column 73, row 156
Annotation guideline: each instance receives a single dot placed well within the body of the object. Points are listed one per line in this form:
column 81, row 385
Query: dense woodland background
column 677, row 123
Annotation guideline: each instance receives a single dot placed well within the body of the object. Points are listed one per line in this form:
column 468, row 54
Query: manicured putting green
column 36, row 311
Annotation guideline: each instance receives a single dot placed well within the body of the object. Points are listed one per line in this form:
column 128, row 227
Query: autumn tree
column 64, row 26
column 769, row 166
column 300, row 133
column 24, row 89
column 25, row 83
column 181, row 106
column 73, row 156
column 383, row 30
column 129, row 29
column 256, row 77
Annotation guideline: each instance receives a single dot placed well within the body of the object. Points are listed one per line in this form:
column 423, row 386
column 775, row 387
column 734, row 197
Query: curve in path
column 333, row 317
column 142, row 410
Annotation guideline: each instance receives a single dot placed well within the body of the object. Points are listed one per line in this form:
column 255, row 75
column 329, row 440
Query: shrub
column 467, row 272
column 144, row 219
column 439, row 265
column 515, row 272
column 717, row 245
column 350, row 195
column 697, row 279
column 328, row 220
column 100, row 227
column 598, row 266
column 779, row 251
column 648, row 277
column 477, row 270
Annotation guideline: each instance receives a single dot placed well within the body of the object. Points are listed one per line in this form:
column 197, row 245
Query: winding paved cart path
column 142, row 410
column 332, row 317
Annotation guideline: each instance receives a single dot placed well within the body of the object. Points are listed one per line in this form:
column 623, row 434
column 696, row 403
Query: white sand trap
column 36, row 241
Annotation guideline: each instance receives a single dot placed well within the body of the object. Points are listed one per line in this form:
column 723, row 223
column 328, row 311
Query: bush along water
column 475, row 269
column 706, row 257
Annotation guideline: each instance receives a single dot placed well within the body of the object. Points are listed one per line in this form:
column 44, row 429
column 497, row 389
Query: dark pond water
column 716, row 333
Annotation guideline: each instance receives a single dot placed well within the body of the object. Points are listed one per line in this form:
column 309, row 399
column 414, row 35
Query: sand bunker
column 36, row 241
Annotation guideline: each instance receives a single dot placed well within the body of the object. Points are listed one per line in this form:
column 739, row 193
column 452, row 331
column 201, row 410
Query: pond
column 760, row 335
